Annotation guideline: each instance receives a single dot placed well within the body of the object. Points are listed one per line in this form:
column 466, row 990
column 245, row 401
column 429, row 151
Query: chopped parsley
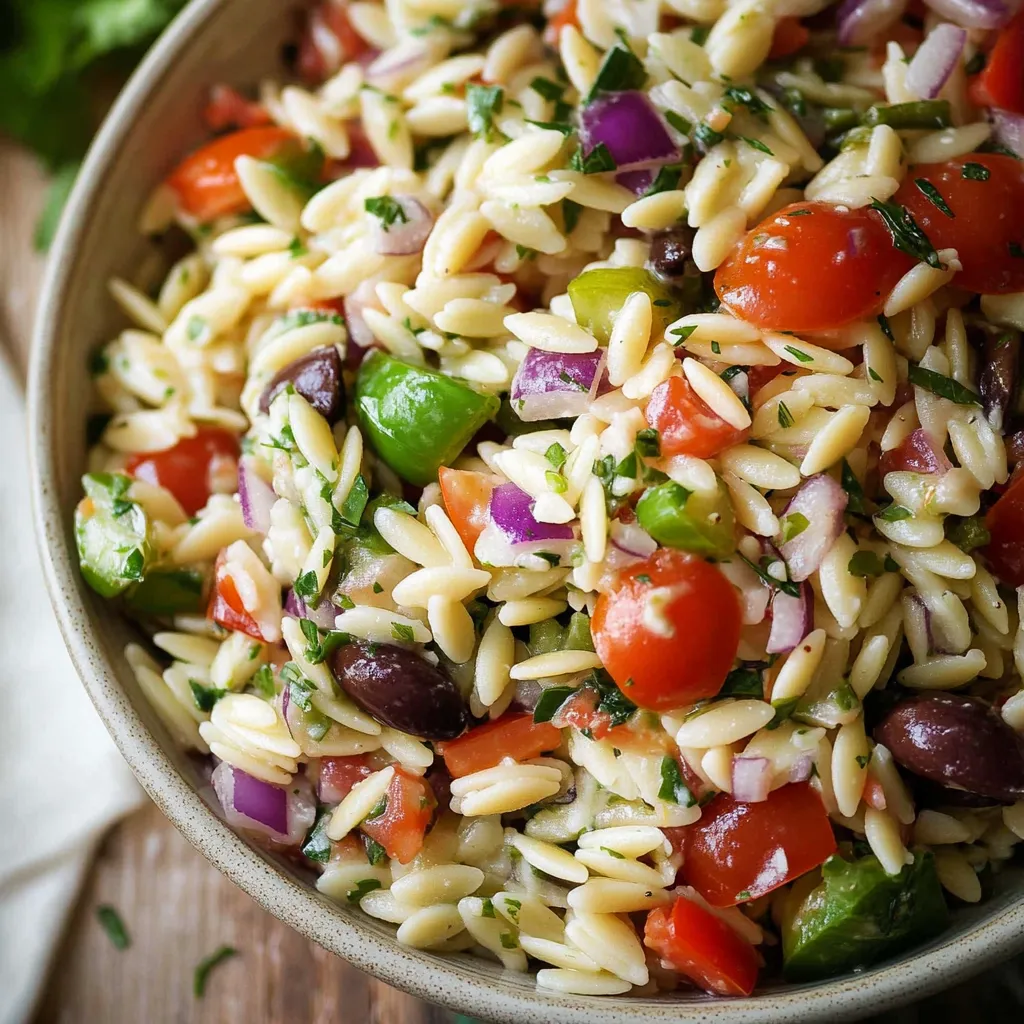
column 785, row 416
column 112, row 924
column 793, row 525
column 866, row 563
column 620, row 71
column 893, row 513
column 556, row 455
column 596, row 161
column 907, row 236
column 739, row 96
column 933, row 195
column 551, row 91
column 401, row 631
column 975, row 172
column 745, row 681
column 855, row 493
column 363, row 886
column 755, row 144
column 205, row 697
column 786, row 586
column 883, row 322
column 673, row 787
column 483, row 104
column 202, row 972
column 944, row 387
column 387, row 210
column 317, row 846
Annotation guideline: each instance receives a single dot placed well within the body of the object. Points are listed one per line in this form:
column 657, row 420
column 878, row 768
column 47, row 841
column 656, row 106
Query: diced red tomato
column 403, row 824
column 686, row 424
column 514, row 735
column 568, row 15
column 1001, row 82
column 206, row 182
column 739, row 851
column 712, row 954
column 467, row 496
column 668, row 629
column 987, row 229
column 1005, row 522
column 916, row 453
column 759, row 376
column 790, row 36
column 339, row 774
column 811, row 267
column 226, row 608
column 228, row 108
column 185, row 469
column 874, row 795
column 328, row 41
column 580, row 712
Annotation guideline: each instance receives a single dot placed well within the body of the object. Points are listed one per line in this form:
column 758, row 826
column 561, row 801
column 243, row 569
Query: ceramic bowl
column 154, row 121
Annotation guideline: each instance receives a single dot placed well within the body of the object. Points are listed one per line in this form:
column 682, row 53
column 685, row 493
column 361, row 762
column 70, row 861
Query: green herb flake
column 856, row 502
column 317, row 845
column 786, row 586
column 933, row 195
column 597, row 161
column 195, row 328
column 739, row 96
column 746, row 681
column 975, row 172
column 678, row 122
column 363, row 886
column 205, row 966
column 402, row 632
column 793, row 525
column 205, row 697
column 375, row 853
column 570, row 215
column 620, row 71
column 673, row 788
column 263, row 682
column 111, row 922
column 387, row 210
column 551, row 91
column 944, row 387
column 742, row 896
column 483, row 104
column 648, row 443
column 556, row 455
column 508, row 940
column 612, row 853
column 785, row 417
column 866, row 563
column 755, row 144
column 799, row 354
column 894, row 513
column 906, row 235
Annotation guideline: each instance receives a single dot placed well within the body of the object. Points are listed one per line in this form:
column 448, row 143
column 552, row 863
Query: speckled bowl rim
column 454, row 981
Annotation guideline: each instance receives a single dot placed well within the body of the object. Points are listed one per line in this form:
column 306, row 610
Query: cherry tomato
column 567, row 16
column 328, row 42
column 697, row 943
column 790, row 36
column 1001, row 81
column 811, row 267
column 228, row 108
column 987, row 229
column 339, row 774
column 403, row 823
column 1005, row 522
column 467, row 496
column 668, row 630
column 185, row 469
column 226, row 607
column 914, row 454
column 206, row 182
column 739, row 851
column 514, row 735
column 686, row 424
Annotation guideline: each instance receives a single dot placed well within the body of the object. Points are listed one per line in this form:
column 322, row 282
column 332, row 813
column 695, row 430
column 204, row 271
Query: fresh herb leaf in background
column 61, row 62
column 205, row 966
column 112, row 924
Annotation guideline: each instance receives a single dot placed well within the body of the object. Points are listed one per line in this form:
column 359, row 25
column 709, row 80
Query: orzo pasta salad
column 568, row 479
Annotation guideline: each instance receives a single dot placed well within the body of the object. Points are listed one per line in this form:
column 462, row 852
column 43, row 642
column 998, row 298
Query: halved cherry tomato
column 711, row 953
column 686, row 424
column 790, row 35
column 226, row 608
column 1001, row 81
column 759, row 376
column 401, row 826
column 987, row 229
column 739, row 851
column 811, row 267
column 514, row 735
column 328, row 41
column 580, row 712
column 668, row 630
column 1005, row 522
column 228, row 108
column 467, row 496
column 916, row 453
column 568, row 15
column 185, row 469
column 339, row 774
column 206, row 182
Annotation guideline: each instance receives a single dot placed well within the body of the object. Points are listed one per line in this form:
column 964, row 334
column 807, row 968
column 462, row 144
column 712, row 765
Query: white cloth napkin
column 62, row 780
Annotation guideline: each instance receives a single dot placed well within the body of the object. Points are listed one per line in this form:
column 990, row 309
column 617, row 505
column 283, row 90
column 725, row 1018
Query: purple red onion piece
column 822, row 502
column 792, row 619
column 364, row 296
column 407, row 233
column 1008, row 130
column 285, row 814
column 630, row 128
column 751, row 779
column 323, row 614
column 860, row 21
column 981, row 14
column 935, row 60
column 552, row 385
column 255, row 495
column 511, row 512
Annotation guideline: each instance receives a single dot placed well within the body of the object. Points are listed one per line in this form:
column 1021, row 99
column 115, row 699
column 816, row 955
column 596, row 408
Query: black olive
column 317, row 377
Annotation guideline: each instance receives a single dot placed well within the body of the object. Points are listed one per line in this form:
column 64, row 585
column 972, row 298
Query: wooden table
column 178, row 908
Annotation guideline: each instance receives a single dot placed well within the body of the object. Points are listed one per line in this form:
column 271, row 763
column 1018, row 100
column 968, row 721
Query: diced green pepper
column 679, row 518
column 598, row 295
column 968, row 533
column 417, row 420
column 545, row 637
column 112, row 534
column 858, row 914
column 167, row 592
column 920, row 114
column 577, row 633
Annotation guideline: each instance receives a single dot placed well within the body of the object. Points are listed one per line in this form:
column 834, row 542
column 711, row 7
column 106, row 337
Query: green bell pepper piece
column 598, row 295
column 545, row 637
column 112, row 534
column 167, row 592
column 577, row 634
column 679, row 518
column 417, row 420
column 858, row 914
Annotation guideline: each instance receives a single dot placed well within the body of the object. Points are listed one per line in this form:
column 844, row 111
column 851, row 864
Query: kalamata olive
column 440, row 780
column 956, row 741
column 401, row 690
column 671, row 251
column 997, row 381
column 1015, row 447
column 317, row 377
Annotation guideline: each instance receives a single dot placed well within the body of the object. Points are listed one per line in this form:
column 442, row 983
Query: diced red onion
column 527, row 693
column 638, row 182
column 1008, row 130
column 630, row 128
column 365, row 295
column 255, row 495
column 284, row 814
column 822, row 502
column 553, row 385
column 983, row 14
column 323, row 614
column 916, row 453
column 751, row 779
column 855, row 239
column 861, row 21
column 792, row 619
column 514, row 533
column 396, row 67
column 632, row 539
column 403, row 237
column 935, row 60
column 800, row 769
